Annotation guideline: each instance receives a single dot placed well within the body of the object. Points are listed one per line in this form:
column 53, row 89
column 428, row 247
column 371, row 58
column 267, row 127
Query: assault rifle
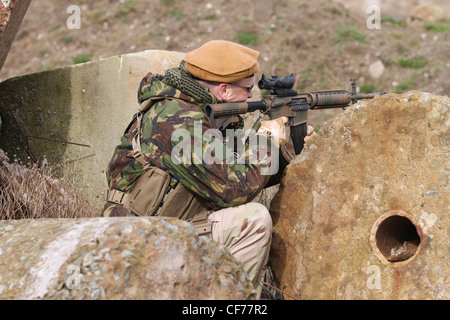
column 284, row 101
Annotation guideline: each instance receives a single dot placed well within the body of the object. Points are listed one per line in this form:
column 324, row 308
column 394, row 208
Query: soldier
column 145, row 177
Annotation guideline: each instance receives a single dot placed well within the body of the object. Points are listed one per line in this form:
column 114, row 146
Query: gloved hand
column 309, row 133
column 275, row 129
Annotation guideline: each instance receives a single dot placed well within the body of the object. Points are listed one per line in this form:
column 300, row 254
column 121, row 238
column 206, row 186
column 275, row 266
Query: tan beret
column 222, row 61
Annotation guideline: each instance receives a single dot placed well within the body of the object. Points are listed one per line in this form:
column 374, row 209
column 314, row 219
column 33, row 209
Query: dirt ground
column 323, row 43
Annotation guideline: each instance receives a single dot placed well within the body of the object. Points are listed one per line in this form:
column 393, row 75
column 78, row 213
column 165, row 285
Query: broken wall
column 75, row 116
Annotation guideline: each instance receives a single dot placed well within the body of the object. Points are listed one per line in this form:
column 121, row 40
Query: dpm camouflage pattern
column 222, row 184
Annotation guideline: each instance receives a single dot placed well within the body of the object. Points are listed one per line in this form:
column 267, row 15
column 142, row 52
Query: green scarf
column 180, row 79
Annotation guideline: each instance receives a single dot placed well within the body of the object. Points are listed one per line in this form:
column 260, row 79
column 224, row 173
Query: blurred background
column 323, row 43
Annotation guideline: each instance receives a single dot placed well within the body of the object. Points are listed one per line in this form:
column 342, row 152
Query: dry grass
column 30, row 192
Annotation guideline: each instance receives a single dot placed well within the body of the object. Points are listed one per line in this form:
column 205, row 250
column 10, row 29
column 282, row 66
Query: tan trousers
column 247, row 233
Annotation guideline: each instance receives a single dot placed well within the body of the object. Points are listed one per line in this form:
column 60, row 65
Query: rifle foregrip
column 333, row 98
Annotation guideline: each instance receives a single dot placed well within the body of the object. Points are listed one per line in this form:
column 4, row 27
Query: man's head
column 225, row 67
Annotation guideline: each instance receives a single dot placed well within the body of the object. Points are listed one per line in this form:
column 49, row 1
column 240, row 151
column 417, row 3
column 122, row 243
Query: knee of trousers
column 260, row 214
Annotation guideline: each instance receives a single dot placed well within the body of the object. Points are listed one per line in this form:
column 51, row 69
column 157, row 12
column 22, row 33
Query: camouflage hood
column 176, row 83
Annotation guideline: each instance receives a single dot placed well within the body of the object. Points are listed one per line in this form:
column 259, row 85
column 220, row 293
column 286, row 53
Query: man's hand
column 309, row 133
column 275, row 130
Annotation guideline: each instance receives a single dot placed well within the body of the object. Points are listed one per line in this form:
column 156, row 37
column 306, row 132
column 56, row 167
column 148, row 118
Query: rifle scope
column 287, row 82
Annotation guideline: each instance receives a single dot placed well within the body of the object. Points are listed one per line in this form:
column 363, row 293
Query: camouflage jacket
column 223, row 184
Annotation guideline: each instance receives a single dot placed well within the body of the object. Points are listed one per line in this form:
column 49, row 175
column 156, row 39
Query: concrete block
column 76, row 115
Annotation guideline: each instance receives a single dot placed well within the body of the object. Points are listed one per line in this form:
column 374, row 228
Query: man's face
column 238, row 91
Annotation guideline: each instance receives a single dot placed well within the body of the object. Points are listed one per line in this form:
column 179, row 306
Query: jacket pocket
column 149, row 191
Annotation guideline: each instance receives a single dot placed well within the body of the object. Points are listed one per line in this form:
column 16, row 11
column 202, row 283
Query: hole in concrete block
column 395, row 238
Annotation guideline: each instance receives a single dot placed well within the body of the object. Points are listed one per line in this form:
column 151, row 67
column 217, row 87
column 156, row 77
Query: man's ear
column 224, row 92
